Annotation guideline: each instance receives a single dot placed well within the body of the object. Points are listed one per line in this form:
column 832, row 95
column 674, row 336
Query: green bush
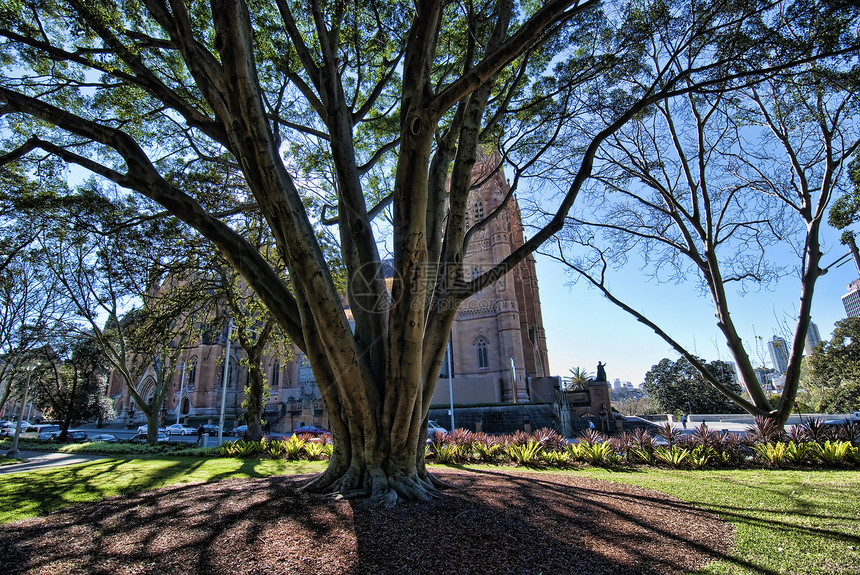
column 314, row 451
column 524, row 453
column 835, row 453
column 600, row 454
column 242, row 448
column 488, row 452
column 446, row 452
column 775, row 454
column 701, row 456
column 544, row 448
column 673, row 456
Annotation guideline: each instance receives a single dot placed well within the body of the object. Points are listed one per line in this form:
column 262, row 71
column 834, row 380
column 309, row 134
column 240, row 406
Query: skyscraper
column 851, row 300
column 778, row 354
column 812, row 338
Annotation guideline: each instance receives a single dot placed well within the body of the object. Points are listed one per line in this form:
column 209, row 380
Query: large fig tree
column 378, row 110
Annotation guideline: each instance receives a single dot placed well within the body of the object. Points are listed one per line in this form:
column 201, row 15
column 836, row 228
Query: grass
column 39, row 492
column 788, row 522
column 9, row 460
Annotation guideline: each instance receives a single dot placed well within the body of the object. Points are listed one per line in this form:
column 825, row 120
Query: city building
column 778, row 354
column 851, row 300
column 813, row 338
column 497, row 349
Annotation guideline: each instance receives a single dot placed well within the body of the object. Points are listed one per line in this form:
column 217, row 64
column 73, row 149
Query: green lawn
column 40, row 492
column 788, row 522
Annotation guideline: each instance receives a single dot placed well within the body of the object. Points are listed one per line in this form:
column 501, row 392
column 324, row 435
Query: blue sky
column 582, row 327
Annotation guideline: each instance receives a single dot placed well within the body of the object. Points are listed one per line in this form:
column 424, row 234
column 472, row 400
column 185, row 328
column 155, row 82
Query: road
column 122, row 433
column 42, row 459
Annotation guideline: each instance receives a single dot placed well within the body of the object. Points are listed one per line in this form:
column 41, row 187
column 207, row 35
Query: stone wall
column 497, row 419
column 502, row 419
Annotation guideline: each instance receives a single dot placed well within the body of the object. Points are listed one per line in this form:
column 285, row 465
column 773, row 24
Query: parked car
column 212, row 429
column 180, row 429
column 107, row 437
column 433, row 428
column 39, row 431
column 143, row 428
column 141, row 437
column 8, row 430
column 239, row 431
column 317, row 433
column 72, row 435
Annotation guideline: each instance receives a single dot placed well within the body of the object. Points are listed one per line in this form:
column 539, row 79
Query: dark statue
column 601, row 373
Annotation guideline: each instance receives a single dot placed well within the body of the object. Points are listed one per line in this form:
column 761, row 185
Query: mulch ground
column 491, row 522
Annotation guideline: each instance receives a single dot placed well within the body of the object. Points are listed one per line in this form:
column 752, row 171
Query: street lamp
column 181, row 392
column 224, row 386
column 450, row 384
column 14, row 451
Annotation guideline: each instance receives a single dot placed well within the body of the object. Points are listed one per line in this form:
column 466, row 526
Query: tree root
column 376, row 487
column 326, row 482
column 436, row 482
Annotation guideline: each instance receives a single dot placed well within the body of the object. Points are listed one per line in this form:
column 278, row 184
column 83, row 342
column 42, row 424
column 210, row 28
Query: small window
column 276, row 374
column 479, row 211
column 233, row 375
column 483, row 358
column 192, row 377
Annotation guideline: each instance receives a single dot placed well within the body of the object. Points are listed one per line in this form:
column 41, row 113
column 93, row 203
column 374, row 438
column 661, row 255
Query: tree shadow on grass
column 229, row 527
column 490, row 523
column 44, row 491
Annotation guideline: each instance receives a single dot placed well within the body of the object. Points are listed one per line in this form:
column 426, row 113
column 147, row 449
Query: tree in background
column 30, row 317
column 70, row 383
column 381, row 110
column 31, row 311
column 846, row 208
column 642, row 406
column 833, row 382
column 108, row 262
column 678, row 386
column 715, row 189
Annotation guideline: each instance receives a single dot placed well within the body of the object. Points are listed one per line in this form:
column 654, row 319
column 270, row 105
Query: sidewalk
column 43, row 459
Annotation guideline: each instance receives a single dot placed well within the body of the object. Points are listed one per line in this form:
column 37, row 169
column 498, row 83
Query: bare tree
column 710, row 187
column 29, row 310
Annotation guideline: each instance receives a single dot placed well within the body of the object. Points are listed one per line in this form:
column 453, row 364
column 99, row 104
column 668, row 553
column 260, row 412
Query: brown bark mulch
column 490, row 522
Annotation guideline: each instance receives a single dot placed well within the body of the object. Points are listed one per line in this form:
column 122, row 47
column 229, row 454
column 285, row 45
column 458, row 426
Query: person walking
column 200, row 431
column 684, row 421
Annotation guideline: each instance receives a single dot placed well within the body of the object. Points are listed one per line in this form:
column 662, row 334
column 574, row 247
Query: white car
column 180, row 429
column 143, row 428
column 8, row 429
column 433, row 428
column 46, row 431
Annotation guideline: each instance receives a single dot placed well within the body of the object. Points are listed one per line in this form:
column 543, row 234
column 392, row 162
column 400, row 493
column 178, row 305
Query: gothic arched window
column 276, row 374
column 482, row 345
column 233, row 375
column 192, row 376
